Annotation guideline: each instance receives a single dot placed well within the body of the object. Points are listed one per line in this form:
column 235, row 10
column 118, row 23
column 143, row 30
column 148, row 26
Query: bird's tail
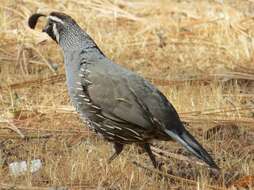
column 191, row 144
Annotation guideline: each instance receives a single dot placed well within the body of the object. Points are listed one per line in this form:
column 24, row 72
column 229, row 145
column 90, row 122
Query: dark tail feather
column 190, row 143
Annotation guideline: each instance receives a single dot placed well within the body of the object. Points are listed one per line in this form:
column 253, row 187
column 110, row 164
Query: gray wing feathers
column 112, row 94
column 125, row 96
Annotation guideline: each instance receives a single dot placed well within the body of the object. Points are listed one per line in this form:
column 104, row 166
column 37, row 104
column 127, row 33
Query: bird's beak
column 46, row 29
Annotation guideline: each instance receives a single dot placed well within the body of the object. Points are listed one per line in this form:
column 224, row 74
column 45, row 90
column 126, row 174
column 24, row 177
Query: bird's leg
column 147, row 148
column 118, row 149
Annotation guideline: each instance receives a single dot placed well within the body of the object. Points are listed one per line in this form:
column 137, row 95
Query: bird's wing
column 122, row 95
column 114, row 96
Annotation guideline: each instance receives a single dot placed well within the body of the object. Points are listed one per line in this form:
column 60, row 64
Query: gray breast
column 77, row 88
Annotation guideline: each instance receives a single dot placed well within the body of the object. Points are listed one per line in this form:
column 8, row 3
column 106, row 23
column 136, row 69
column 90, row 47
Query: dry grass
column 199, row 53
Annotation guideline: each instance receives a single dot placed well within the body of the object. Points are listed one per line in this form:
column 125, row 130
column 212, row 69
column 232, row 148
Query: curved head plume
column 56, row 22
column 32, row 21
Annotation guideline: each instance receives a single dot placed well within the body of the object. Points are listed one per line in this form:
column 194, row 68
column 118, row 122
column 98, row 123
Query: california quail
column 115, row 102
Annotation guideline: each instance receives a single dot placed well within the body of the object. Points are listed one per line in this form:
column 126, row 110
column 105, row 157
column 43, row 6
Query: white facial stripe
column 54, row 18
column 56, row 32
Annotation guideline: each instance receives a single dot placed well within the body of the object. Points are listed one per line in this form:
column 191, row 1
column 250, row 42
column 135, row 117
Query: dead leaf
column 244, row 182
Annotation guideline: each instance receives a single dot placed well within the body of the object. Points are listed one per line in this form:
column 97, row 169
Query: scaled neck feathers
column 74, row 38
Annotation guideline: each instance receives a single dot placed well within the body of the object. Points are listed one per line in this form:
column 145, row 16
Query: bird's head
column 57, row 25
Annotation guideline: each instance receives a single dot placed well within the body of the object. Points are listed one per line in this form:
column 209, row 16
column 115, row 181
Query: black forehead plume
column 32, row 21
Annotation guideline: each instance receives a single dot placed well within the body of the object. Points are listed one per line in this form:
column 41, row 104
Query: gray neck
column 74, row 38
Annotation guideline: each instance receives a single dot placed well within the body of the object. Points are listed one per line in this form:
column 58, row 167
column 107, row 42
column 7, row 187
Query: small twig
column 216, row 111
column 36, row 82
column 12, row 127
column 162, row 153
column 68, row 186
column 22, row 187
column 221, row 120
column 44, row 136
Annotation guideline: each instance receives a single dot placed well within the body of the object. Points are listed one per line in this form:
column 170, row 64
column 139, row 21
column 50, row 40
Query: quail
column 115, row 102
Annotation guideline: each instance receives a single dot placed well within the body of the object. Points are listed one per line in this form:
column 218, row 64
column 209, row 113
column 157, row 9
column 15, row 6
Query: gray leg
column 147, row 148
column 118, row 149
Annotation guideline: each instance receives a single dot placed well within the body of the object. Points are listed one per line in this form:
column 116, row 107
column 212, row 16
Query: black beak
column 46, row 29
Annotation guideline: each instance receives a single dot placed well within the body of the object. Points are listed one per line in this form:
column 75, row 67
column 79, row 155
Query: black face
column 49, row 30
column 57, row 22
